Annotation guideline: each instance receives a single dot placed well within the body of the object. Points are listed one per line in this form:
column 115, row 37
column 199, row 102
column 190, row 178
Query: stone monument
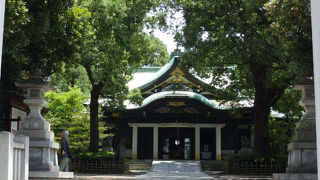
column 302, row 158
column 43, row 159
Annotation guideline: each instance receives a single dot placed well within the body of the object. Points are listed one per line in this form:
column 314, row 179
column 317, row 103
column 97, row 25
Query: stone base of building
column 295, row 176
column 50, row 175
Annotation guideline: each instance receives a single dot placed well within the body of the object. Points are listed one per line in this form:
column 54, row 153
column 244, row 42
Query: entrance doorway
column 176, row 143
column 145, row 140
column 207, row 143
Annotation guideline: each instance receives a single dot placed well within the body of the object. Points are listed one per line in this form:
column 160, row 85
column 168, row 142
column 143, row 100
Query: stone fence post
column 14, row 156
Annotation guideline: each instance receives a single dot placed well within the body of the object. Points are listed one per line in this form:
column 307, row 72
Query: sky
column 167, row 39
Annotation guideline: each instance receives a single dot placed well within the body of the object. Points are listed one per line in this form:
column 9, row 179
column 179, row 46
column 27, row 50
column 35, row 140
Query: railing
column 255, row 168
column 14, row 156
column 99, row 166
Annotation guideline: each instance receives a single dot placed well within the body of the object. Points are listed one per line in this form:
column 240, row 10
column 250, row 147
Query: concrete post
column 6, row 156
column 218, row 143
column 2, row 9
column 315, row 16
column 134, row 142
column 24, row 171
column 155, row 143
column 197, row 143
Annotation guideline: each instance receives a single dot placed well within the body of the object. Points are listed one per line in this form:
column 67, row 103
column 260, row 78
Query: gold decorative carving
column 163, row 110
column 238, row 115
column 177, row 75
column 190, row 110
column 176, row 103
column 177, row 72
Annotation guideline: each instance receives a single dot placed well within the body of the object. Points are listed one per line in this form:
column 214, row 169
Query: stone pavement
column 135, row 176
column 238, row 177
column 172, row 170
column 175, row 170
column 104, row 176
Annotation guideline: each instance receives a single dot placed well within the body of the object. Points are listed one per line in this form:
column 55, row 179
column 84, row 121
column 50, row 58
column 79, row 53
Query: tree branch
column 90, row 74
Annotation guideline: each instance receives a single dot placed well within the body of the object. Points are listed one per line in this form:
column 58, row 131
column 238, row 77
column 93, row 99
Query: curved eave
column 201, row 85
column 177, row 94
column 163, row 73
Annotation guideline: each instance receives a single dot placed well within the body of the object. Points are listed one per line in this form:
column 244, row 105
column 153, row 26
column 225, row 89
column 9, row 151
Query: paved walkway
column 175, row 170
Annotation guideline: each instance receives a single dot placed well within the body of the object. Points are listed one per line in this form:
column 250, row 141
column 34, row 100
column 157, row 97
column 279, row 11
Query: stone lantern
column 302, row 158
column 43, row 159
column 36, row 88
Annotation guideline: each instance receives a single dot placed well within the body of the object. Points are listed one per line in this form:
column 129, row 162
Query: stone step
column 135, row 165
column 176, row 166
column 175, row 169
column 139, row 167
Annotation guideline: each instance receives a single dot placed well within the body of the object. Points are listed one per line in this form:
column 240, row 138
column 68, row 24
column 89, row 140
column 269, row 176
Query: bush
column 255, row 158
column 68, row 112
column 102, row 155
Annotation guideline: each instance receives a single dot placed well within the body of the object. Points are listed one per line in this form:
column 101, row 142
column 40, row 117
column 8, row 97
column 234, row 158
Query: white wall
column 15, row 114
column 315, row 13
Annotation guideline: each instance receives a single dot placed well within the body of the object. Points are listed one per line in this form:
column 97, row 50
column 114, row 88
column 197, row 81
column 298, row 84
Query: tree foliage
column 71, row 75
column 281, row 130
column 36, row 35
column 109, row 43
column 102, row 38
column 14, row 39
column 68, row 112
column 251, row 49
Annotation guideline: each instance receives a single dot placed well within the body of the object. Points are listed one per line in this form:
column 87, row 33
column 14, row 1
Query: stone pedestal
column 302, row 160
column 43, row 159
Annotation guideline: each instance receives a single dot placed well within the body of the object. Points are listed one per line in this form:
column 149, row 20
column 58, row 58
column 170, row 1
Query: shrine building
column 179, row 118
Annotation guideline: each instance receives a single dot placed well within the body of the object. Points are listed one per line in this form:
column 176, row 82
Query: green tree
column 36, row 35
column 71, row 75
column 252, row 50
column 68, row 112
column 152, row 53
column 281, row 130
column 110, row 43
column 49, row 35
column 12, row 59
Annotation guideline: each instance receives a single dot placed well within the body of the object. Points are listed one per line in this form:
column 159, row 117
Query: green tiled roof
column 178, row 94
column 161, row 72
column 147, row 69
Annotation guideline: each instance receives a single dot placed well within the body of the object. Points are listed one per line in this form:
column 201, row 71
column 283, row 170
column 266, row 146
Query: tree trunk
column 261, row 112
column 265, row 97
column 94, row 121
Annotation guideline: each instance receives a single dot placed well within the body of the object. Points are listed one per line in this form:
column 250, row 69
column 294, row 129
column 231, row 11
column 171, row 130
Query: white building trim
column 155, row 142
column 186, row 125
column 134, row 142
